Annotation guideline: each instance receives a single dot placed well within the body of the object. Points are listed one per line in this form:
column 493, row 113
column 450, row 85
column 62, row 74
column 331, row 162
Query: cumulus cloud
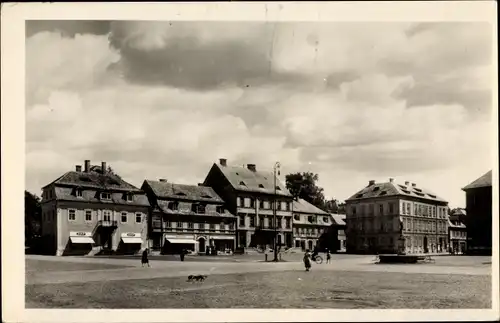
column 349, row 101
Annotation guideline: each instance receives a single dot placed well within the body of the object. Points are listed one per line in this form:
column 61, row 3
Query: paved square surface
column 349, row 282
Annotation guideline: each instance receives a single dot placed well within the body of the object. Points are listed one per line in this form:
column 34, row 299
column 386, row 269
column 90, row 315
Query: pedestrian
column 183, row 253
column 328, row 256
column 144, row 259
column 307, row 261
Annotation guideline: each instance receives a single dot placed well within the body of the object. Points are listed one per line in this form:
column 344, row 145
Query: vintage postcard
column 249, row 162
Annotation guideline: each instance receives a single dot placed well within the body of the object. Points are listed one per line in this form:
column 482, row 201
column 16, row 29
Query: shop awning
column 82, row 240
column 190, row 241
column 132, row 240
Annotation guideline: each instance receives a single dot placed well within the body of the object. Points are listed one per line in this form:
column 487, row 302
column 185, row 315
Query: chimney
column 372, row 182
column 223, row 161
column 413, row 184
column 252, row 167
column 78, row 168
column 87, row 166
column 163, row 180
column 104, row 170
column 391, row 180
column 407, row 183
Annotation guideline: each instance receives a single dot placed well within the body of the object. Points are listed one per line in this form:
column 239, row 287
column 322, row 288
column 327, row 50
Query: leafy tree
column 303, row 185
column 32, row 214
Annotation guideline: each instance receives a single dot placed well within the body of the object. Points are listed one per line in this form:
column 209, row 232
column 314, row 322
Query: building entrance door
column 201, row 244
column 426, row 246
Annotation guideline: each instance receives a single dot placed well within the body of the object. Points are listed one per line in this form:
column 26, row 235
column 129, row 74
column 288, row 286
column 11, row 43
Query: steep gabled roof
column 483, row 181
column 139, row 198
column 244, row 179
column 302, row 206
column 94, row 179
column 393, row 189
column 164, row 190
column 339, row 218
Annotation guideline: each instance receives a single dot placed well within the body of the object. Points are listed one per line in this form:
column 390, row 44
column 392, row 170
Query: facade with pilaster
column 396, row 218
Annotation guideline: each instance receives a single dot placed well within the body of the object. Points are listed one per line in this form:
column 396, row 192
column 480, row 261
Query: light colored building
column 309, row 223
column 339, row 227
column 457, row 231
column 395, row 218
column 188, row 217
column 250, row 194
column 92, row 210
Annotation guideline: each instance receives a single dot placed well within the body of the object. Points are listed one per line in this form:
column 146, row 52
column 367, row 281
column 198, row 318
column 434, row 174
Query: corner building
column 92, row 211
column 250, row 194
column 395, row 218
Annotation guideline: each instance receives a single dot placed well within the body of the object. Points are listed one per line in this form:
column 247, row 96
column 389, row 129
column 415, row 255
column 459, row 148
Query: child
column 307, row 261
column 328, row 256
column 144, row 259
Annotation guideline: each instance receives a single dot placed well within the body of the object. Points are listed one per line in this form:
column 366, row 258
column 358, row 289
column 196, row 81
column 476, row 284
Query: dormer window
column 78, row 192
column 173, row 206
column 105, row 196
column 243, row 183
column 278, row 188
column 359, row 196
column 376, row 189
column 325, row 219
column 129, row 197
column 261, row 186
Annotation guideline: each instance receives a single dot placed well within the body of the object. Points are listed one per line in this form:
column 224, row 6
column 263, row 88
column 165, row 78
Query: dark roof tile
column 392, row 189
column 483, row 181
column 183, row 192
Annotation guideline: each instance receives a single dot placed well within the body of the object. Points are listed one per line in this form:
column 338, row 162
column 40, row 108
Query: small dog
column 196, row 277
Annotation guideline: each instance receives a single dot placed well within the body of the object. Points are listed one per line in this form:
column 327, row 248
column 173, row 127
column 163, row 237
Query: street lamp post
column 276, row 170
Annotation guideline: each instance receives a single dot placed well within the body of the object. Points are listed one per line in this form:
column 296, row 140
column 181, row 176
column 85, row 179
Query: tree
column 32, row 215
column 112, row 172
column 335, row 206
column 303, row 185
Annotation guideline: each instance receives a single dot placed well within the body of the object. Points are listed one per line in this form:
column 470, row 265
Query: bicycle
column 318, row 259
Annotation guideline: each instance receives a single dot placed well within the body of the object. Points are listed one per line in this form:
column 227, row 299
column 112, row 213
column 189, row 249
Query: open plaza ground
column 350, row 281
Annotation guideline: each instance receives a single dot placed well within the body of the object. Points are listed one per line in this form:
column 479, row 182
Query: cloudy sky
column 349, row 101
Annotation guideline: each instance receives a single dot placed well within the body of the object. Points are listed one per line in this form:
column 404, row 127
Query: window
column 353, row 210
column 246, row 202
column 212, row 226
column 296, row 217
column 279, row 206
column 190, row 225
column 252, row 221
column 278, row 188
column 381, row 209
column 408, row 208
column 242, row 220
column 78, row 192
column 252, row 203
column 138, row 218
column 88, row 215
column 168, row 224
column 278, row 219
column 261, row 204
column 106, row 196
column 261, row 186
column 219, row 209
column 178, row 225
column 288, row 221
column 391, row 208
column 288, row 206
column 231, row 226
column 325, row 219
column 415, row 209
column 243, row 183
column 129, row 197
column 124, row 217
column 261, row 221
column 173, row 206
column 106, row 216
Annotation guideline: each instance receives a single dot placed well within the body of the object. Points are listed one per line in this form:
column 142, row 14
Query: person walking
column 328, row 256
column 144, row 258
column 307, row 261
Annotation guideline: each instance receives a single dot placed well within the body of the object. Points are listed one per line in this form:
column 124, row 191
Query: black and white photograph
column 265, row 163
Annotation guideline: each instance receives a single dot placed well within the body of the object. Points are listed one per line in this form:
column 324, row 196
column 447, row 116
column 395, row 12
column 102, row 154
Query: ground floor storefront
column 264, row 239
column 168, row 243
column 102, row 242
column 458, row 246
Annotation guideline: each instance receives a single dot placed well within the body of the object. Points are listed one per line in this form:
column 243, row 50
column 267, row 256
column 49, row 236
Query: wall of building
column 479, row 220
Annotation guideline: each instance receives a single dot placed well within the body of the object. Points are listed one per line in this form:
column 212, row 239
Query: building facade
column 457, row 232
column 339, row 227
column 309, row 223
column 188, row 217
column 479, row 221
column 93, row 211
column 395, row 218
column 251, row 194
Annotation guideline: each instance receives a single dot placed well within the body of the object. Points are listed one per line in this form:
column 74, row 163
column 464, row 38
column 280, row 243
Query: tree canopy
column 32, row 214
column 303, row 185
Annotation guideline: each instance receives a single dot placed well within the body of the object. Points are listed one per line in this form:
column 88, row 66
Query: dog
column 196, row 278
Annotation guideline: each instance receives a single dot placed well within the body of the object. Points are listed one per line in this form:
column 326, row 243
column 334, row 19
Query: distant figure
column 144, row 259
column 183, row 253
column 328, row 256
column 307, row 261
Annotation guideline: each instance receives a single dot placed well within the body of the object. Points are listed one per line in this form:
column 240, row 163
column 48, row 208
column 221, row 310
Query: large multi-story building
column 309, row 223
column 457, row 231
column 188, row 217
column 395, row 218
column 250, row 195
column 93, row 210
column 479, row 220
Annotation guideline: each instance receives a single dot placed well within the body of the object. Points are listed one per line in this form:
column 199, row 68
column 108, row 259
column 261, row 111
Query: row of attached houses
column 94, row 211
